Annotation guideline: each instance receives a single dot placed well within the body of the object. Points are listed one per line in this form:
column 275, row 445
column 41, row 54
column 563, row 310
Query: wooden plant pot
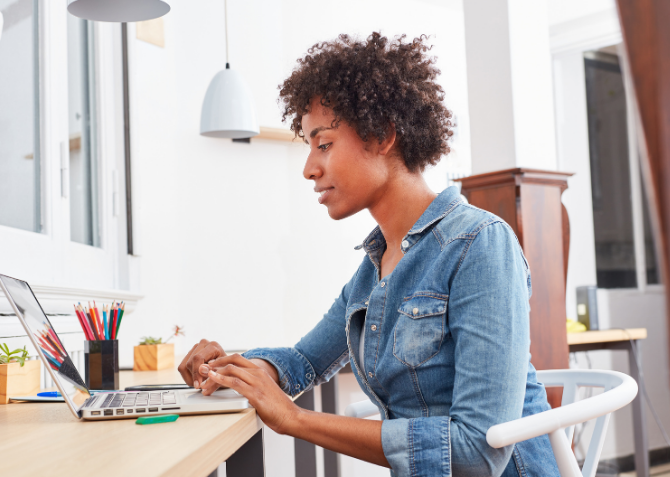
column 153, row 357
column 17, row 380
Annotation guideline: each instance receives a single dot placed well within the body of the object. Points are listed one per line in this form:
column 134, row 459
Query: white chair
column 559, row 423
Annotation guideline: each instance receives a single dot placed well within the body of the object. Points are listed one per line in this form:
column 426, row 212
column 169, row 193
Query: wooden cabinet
column 530, row 202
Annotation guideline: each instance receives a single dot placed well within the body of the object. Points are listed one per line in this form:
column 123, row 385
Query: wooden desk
column 605, row 336
column 46, row 439
column 626, row 340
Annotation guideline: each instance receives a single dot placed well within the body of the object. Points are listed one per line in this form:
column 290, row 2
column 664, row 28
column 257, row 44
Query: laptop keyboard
column 138, row 399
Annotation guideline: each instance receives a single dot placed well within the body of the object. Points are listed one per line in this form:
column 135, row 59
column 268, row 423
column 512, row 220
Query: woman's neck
column 400, row 206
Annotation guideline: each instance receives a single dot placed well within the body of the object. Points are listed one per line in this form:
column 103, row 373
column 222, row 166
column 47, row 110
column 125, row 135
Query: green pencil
column 122, row 309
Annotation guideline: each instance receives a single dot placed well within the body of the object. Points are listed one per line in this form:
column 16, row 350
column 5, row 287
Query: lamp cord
column 225, row 11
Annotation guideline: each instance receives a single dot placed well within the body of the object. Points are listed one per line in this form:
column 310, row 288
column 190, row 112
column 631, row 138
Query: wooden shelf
column 278, row 134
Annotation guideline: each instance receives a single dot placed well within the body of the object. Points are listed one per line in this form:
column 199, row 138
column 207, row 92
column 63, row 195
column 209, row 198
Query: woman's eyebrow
column 316, row 131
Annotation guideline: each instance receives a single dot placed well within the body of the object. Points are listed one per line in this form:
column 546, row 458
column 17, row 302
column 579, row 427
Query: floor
column 658, row 471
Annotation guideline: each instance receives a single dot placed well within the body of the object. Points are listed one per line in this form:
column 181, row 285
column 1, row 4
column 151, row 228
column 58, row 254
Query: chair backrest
column 618, row 390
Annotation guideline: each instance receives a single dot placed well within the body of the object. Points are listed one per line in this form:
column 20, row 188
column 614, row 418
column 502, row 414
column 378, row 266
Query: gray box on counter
column 587, row 306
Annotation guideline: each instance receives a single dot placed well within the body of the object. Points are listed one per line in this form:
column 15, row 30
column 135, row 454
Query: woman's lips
column 324, row 195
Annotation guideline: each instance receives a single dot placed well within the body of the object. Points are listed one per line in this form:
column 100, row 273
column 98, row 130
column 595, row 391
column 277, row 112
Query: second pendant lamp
column 228, row 109
column 118, row 10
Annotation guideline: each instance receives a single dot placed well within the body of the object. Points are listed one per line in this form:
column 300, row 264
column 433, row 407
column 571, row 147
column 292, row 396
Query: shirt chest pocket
column 421, row 328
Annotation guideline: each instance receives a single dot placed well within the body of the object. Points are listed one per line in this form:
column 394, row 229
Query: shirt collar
column 435, row 212
column 437, row 209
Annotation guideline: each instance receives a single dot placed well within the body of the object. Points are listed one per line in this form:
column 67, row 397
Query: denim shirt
column 446, row 352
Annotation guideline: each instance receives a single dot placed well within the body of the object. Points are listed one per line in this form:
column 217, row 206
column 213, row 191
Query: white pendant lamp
column 228, row 109
column 118, row 10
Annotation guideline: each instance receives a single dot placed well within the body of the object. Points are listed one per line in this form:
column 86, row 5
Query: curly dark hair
column 370, row 85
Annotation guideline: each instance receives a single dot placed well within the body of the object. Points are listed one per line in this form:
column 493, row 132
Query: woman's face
column 349, row 174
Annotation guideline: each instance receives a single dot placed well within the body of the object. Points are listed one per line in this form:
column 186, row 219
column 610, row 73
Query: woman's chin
column 338, row 213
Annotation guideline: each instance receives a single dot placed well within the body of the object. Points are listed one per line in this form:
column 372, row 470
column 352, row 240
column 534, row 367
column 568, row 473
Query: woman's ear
column 387, row 144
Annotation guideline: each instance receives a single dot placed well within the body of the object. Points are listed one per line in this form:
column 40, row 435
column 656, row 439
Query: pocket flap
column 424, row 304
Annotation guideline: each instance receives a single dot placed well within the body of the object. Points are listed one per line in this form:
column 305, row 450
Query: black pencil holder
column 102, row 364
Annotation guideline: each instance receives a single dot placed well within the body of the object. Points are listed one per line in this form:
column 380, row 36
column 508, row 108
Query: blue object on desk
column 50, row 394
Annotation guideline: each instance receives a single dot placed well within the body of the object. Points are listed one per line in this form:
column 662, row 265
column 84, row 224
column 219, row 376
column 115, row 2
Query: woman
column 435, row 319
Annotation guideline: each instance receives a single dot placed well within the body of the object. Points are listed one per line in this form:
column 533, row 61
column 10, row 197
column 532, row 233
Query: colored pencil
column 118, row 326
column 86, row 319
column 96, row 328
column 45, row 345
column 87, row 325
column 48, row 336
column 95, row 325
column 104, row 321
column 55, row 364
column 56, row 340
column 116, row 317
column 95, row 320
column 99, row 318
column 81, row 323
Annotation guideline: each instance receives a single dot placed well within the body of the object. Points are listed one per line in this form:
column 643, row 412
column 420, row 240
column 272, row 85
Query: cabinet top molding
column 516, row 176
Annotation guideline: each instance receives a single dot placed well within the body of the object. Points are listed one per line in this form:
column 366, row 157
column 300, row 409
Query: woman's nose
column 312, row 168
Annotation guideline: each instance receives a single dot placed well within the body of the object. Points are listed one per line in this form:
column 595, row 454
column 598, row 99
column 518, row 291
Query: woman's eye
column 323, row 147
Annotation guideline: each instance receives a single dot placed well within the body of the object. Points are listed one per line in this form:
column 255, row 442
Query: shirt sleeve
column 318, row 356
column 489, row 323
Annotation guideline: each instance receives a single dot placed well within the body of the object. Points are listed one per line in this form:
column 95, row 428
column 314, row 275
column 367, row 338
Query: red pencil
column 87, row 327
column 82, row 322
column 116, row 314
column 48, row 339
column 45, row 345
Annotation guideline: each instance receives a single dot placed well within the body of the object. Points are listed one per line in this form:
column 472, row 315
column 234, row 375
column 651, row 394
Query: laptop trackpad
column 194, row 397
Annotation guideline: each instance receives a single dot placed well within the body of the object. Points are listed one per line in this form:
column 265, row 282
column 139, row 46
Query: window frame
column 49, row 257
column 565, row 49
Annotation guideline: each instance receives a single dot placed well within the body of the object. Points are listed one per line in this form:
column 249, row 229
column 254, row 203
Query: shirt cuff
column 296, row 373
column 418, row 447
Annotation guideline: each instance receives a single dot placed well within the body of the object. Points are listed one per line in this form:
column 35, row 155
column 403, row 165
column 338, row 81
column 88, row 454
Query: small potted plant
column 19, row 376
column 153, row 354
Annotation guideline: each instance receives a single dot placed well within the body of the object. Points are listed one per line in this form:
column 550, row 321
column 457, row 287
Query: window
column 83, row 166
column 20, row 159
column 625, row 254
column 61, row 149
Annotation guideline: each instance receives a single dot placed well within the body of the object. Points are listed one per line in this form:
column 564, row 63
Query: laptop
column 112, row 405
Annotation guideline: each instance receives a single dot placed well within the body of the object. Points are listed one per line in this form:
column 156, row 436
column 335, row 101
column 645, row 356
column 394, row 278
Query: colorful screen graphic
column 46, row 338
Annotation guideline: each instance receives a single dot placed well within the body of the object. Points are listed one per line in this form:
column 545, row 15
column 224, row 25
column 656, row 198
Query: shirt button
column 367, row 302
column 370, row 374
column 404, row 244
column 373, row 327
column 382, row 284
column 415, row 311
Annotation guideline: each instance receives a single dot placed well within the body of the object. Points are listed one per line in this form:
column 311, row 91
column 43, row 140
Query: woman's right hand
column 200, row 354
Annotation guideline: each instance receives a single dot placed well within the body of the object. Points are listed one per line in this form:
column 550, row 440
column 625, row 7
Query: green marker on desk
column 156, row 419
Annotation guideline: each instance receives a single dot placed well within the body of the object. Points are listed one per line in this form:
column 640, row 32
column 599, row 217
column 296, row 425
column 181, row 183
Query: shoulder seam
column 470, row 237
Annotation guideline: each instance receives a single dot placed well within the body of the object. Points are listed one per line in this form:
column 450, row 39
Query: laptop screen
column 44, row 336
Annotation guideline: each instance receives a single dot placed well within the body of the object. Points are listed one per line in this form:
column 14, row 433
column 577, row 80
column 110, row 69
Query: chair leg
column 567, row 464
column 590, row 466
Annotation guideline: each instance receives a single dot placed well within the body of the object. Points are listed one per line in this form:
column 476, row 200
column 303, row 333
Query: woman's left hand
column 273, row 406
